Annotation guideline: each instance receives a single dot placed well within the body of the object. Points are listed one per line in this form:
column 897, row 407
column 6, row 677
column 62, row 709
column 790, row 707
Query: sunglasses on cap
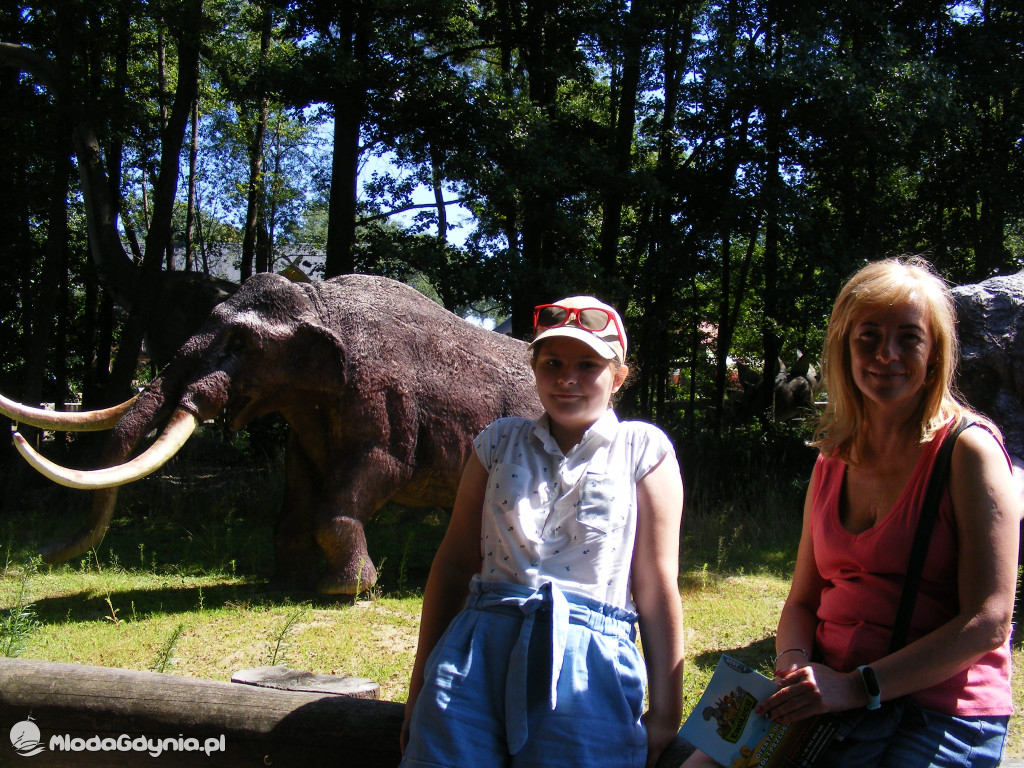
column 593, row 319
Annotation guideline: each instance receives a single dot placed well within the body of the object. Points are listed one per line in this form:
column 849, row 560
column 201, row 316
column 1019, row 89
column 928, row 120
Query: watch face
column 870, row 681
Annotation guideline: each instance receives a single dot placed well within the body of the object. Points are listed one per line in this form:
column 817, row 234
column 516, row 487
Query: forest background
column 713, row 168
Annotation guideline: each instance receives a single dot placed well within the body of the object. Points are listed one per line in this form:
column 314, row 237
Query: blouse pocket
column 604, row 502
column 506, row 485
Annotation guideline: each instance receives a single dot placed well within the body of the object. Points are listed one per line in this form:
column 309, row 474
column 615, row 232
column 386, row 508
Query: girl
column 564, row 530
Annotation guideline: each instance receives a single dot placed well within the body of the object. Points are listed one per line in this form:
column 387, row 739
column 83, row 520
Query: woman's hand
column 790, row 661
column 811, row 690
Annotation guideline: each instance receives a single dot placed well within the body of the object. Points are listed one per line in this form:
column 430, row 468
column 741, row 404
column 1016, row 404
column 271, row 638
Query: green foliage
column 279, row 638
column 165, row 657
column 18, row 621
column 744, row 499
column 703, row 164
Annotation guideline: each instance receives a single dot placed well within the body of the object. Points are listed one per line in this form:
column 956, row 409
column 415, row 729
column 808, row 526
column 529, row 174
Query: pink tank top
column 865, row 574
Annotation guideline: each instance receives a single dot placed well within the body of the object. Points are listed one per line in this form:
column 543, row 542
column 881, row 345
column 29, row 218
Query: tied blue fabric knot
column 529, row 601
column 518, row 669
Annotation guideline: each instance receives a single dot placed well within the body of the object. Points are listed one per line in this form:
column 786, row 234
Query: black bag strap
column 929, row 513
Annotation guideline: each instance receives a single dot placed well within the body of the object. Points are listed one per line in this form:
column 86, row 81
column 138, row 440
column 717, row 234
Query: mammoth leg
column 349, row 568
column 359, row 489
column 297, row 557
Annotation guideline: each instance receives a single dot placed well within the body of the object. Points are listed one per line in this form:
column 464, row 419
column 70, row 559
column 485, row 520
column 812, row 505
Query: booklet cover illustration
column 724, row 726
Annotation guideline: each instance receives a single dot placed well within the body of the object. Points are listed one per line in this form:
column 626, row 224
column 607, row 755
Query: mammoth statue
column 990, row 323
column 792, row 396
column 383, row 389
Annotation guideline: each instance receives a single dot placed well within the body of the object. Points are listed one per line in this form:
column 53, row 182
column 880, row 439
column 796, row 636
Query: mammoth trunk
column 85, row 539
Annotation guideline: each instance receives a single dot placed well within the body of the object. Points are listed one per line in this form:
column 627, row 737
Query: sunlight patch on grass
column 730, row 614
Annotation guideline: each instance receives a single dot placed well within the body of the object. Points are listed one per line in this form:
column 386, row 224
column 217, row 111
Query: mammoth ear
column 319, row 352
column 802, row 364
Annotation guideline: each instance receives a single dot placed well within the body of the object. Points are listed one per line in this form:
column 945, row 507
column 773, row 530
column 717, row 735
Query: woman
column 943, row 699
column 561, row 528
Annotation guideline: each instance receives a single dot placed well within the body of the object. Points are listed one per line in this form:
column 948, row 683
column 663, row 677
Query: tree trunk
column 116, row 271
column 635, row 36
column 723, row 338
column 161, row 68
column 268, row 223
column 114, row 152
column 675, row 42
column 159, row 235
column 44, row 304
column 349, row 111
column 772, row 190
column 256, row 191
column 436, row 183
column 341, row 221
column 190, row 213
column 145, row 198
column 201, row 238
column 62, row 392
column 538, row 204
column 734, row 291
column 98, row 313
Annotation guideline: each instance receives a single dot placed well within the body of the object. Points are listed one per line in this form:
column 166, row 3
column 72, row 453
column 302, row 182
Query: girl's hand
column 811, row 690
column 403, row 735
column 659, row 736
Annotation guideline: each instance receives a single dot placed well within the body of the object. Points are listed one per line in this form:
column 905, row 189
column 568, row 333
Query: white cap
column 609, row 344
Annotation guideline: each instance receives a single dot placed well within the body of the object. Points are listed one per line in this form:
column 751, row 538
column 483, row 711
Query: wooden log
column 255, row 726
column 110, row 718
column 285, row 679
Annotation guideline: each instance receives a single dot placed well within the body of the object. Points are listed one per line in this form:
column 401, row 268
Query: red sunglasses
column 593, row 319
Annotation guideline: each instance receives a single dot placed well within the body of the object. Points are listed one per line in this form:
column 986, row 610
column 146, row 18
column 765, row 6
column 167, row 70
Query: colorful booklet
column 724, row 726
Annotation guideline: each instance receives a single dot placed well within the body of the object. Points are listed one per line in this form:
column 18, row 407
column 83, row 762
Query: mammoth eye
column 236, row 342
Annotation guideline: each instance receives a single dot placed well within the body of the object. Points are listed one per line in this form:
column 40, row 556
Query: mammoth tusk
column 177, row 432
column 65, row 421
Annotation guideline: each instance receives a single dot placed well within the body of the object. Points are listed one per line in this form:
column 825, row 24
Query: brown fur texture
column 384, row 391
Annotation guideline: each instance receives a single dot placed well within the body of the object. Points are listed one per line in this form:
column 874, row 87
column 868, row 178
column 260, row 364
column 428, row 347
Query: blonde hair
column 879, row 284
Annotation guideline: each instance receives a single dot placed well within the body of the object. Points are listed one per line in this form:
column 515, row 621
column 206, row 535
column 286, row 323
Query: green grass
column 179, row 583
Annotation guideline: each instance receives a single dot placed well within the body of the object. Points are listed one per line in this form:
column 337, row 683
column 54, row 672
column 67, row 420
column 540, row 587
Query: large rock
column 991, row 318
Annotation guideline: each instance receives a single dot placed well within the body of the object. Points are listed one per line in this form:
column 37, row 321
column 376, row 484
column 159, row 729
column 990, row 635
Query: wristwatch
column 874, row 691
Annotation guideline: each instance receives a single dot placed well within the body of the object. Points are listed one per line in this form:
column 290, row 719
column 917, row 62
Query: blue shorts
column 531, row 677
column 904, row 735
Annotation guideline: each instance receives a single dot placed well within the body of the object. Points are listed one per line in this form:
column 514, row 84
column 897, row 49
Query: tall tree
column 255, row 219
column 158, row 237
column 635, row 35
